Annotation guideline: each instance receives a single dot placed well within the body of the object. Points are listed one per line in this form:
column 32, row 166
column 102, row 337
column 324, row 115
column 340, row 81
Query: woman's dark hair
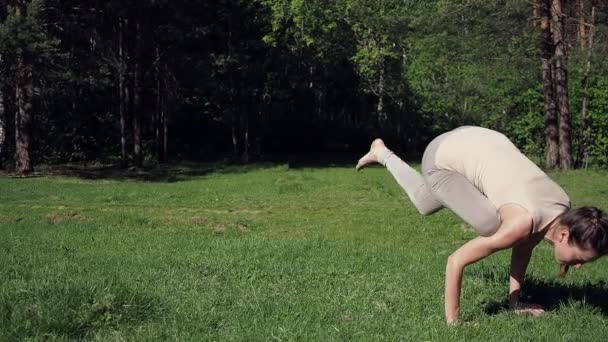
column 588, row 228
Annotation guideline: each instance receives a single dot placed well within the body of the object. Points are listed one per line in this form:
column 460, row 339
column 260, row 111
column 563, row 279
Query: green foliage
column 468, row 67
column 598, row 116
column 25, row 37
column 369, row 35
column 380, row 29
column 331, row 73
column 526, row 129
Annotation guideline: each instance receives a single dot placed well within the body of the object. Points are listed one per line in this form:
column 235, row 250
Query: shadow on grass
column 329, row 160
column 169, row 173
column 183, row 171
column 552, row 294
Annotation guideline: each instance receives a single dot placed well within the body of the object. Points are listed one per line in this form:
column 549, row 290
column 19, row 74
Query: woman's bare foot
column 371, row 156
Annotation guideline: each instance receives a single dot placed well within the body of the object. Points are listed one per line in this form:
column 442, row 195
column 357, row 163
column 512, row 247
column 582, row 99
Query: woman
column 484, row 179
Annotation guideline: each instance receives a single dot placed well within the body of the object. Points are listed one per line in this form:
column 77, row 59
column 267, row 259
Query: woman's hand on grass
column 528, row 309
column 457, row 322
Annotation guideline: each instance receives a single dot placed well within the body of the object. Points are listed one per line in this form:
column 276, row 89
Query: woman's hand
column 528, row 309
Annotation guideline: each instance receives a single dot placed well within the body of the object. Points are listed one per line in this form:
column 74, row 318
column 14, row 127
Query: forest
column 147, row 82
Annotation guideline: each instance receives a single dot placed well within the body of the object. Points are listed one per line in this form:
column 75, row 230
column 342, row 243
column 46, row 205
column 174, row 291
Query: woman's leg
column 411, row 181
column 455, row 192
column 437, row 188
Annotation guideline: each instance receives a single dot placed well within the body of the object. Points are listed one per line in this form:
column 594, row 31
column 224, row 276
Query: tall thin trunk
column 235, row 137
column 583, row 152
column 234, row 98
column 23, row 118
column 551, row 131
column 167, row 105
column 259, row 134
column 128, row 97
column 311, row 87
column 137, row 150
column 561, row 88
column 536, row 13
column 380, row 105
column 23, row 104
column 159, row 110
column 245, row 117
column 121, row 91
column 2, row 123
column 321, row 101
column 165, row 118
column 582, row 29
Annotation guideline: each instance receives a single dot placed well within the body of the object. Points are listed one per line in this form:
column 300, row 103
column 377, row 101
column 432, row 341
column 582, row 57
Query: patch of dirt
column 8, row 219
column 242, row 227
column 219, row 228
column 67, row 216
column 346, row 317
column 199, row 219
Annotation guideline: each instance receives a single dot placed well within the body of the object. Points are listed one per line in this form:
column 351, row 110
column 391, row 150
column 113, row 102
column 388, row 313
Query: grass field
column 265, row 252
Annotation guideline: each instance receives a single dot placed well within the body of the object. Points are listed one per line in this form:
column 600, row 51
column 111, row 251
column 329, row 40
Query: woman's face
column 571, row 254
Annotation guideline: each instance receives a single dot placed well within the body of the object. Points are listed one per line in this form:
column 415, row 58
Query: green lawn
column 265, row 252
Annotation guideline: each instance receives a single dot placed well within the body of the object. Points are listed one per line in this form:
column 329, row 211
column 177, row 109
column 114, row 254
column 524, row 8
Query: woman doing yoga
column 483, row 178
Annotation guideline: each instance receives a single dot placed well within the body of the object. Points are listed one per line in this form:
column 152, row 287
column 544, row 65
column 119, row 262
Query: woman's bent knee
column 488, row 226
column 426, row 210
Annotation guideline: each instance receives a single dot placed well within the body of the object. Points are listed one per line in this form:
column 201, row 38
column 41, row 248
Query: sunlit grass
column 262, row 253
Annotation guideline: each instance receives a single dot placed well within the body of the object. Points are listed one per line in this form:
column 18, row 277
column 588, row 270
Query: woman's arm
column 520, row 258
column 515, row 228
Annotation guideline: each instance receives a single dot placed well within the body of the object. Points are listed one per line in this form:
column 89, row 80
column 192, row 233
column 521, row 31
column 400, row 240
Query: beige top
column 496, row 167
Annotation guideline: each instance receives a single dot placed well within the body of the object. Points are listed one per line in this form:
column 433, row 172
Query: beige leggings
column 437, row 188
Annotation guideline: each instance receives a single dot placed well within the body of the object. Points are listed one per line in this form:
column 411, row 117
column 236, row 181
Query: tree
column 26, row 50
column 551, row 121
column 2, row 121
column 561, row 86
column 123, row 92
column 379, row 28
column 24, row 91
column 583, row 150
column 136, row 82
column 112, row 79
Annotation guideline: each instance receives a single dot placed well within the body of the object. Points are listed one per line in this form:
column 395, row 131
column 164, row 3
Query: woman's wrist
column 514, row 300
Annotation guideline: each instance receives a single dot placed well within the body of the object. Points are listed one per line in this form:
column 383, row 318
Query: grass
column 265, row 252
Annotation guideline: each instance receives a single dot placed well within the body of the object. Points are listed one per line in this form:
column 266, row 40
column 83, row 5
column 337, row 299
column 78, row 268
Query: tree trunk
column 137, row 150
column 23, row 118
column 551, row 131
column 23, row 105
column 165, row 119
column 536, row 12
column 582, row 29
column 583, row 151
column 2, row 124
column 121, row 91
column 245, row 156
column 159, row 109
column 235, row 137
column 259, row 134
column 561, row 88
column 380, row 106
